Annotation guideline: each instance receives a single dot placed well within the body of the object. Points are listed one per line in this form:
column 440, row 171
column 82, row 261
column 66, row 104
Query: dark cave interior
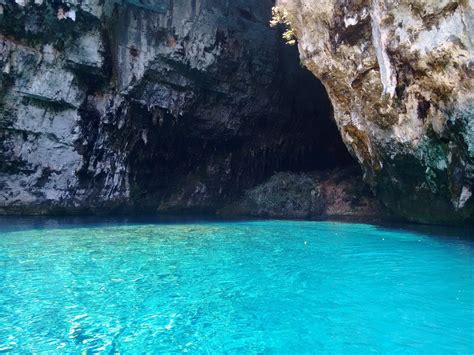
column 190, row 154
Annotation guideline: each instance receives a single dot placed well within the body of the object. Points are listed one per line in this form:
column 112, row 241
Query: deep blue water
column 257, row 286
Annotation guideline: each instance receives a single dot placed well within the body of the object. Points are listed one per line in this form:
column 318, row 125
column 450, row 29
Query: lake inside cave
column 125, row 285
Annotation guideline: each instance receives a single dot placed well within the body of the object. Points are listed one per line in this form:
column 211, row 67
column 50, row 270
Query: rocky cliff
column 193, row 105
column 165, row 105
column 400, row 77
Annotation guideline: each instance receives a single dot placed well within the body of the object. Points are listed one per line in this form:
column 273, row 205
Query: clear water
column 258, row 287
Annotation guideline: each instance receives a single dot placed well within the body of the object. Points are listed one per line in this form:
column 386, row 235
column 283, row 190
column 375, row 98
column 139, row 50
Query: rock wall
column 151, row 105
column 400, row 77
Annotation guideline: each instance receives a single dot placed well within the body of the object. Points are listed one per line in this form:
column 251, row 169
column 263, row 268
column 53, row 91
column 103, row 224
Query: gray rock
column 130, row 106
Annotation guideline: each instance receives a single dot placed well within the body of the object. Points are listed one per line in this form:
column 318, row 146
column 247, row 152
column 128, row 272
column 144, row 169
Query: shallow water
column 269, row 286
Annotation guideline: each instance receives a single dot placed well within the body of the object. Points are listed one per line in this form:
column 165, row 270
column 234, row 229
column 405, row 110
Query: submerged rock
column 400, row 78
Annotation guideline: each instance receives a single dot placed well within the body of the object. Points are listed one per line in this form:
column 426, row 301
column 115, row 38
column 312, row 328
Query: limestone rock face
column 400, row 77
column 150, row 105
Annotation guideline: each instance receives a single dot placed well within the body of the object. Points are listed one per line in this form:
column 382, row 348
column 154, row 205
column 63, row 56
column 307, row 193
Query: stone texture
column 336, row 193
column 400, row 77
column 124, row 106
column 284, row 195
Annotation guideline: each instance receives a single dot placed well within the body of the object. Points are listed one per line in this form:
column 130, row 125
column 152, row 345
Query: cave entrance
column 258, row 112
column 310, row 139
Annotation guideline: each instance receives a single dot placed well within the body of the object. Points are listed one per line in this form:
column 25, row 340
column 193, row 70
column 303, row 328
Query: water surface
column 259, row 286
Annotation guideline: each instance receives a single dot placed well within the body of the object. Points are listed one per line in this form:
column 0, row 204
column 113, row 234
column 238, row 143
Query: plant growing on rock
column 281, row 16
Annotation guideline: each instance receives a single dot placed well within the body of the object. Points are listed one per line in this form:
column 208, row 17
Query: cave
column 147, row 115
column 197, row 164
column 174, row 180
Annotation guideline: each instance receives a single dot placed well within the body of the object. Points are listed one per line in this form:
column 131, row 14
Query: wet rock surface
column 138, row 106
column 400, row 78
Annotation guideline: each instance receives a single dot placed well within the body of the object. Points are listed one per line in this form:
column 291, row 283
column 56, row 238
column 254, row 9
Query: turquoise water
column 236, row 287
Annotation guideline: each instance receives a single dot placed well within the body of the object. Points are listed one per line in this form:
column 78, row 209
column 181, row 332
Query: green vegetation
column 281, row 16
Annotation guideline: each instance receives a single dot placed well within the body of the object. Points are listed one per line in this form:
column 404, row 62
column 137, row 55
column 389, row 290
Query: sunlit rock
column 400, row 77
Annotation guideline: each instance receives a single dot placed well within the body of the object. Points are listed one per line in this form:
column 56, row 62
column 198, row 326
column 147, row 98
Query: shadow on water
column 435, row 231
column 23, row 223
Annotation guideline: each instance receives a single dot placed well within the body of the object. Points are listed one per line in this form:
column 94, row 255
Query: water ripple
column 253, row 287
